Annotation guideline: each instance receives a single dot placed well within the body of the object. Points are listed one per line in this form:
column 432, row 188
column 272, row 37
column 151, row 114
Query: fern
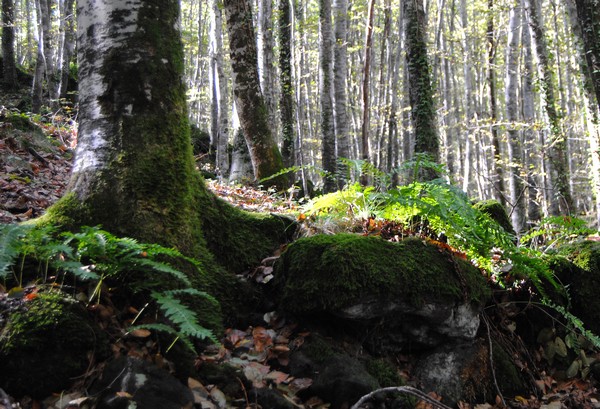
column 10, row 245
column 181, row 316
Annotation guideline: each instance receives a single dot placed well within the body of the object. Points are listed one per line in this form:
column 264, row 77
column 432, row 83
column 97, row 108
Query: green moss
column 508, row 378
column 385, row 372
column 496, row 211
column 46, row 345
column 329, row 272
column 317, row 349
column 582, row 280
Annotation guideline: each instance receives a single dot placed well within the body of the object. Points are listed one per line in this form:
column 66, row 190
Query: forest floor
column 32, row 179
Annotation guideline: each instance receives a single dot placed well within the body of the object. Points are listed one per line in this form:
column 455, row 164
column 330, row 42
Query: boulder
column 408, row 293
column 46, row 343
column 129, row 382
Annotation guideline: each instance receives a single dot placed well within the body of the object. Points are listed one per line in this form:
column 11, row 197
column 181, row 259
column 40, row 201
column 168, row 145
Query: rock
column 129, row 382
column 46, row 344
column 497, row 212
column 342, row 381
column 582, row 278
column 269, row 398
column 463, row 371
column 399, row 293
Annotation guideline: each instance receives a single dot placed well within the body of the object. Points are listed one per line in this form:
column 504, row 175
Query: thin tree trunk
column 514, row 146
column 365, row 151
column 253, row 113
column 266, row 61
column 420, row 87
column 286, row 102
column 497, row 170
column 219, row 91
column 560, row 200
column 9, row 69
column 326, row 95
column 340, row 72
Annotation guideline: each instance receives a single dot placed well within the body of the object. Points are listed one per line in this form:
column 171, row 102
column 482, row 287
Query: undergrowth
column 97, row 257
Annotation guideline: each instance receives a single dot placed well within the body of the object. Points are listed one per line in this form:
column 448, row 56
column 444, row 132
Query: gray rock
column 132, row 383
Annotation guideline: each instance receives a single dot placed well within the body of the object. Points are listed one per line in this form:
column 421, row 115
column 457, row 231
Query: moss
column 508, row 378
column 47, row 345
column 582, row 280
column 329, row 272
column 318, row 350
column 385, row 372
column 496, row 211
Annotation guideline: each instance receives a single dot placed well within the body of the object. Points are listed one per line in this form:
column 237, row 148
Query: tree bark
column 366, row 101
column 219, row 125
column 252, row 110
column 286, row 101
column 588, row 14
column 420, row 88
column 561, row 201
column 515, row 161
column 326, row 96
column 66, row 48
column 340, row 72
column 9, row 69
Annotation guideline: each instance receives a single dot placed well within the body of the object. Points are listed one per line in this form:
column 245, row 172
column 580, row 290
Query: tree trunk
column 219, row 128
column 420, row 88
column 266, row 61
column 134, row 172
column 588, row 14
column 326, row 96
column 253, row 113
column 286, row 101
column 37, row 92
column 497, row 170
column 515, row 161
column 366, row 102
column 9, row 69
column 560, row 196
column 340, row 70
column 67, row 48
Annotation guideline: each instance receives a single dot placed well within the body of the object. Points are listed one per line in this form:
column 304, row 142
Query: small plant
column 96, row 256
column 556, row 230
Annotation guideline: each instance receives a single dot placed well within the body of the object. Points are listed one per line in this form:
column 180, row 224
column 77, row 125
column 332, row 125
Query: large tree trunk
column 252, row 110
column 134, row 172
column 326, row 95
column 421, row 91
column 9, row 70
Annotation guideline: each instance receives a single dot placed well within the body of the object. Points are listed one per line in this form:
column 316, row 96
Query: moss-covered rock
column 583, row 280
column 46, row 345
column 497, row 212
column 331, row 272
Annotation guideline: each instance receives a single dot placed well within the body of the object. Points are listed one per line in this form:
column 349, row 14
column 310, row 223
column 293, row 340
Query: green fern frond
column 181, row 316
column 10, row 245
column 161, row 267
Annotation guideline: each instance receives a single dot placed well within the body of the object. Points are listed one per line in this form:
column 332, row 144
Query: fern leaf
column 184, row 318
column 10, row 236
column 163, row 268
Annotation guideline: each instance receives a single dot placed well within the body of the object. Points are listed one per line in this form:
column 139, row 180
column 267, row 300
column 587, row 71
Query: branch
column 409, row 390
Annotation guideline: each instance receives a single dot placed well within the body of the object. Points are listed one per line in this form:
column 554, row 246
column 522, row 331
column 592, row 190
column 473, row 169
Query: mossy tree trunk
column 9, row 70
column 134, row 172
column 420, row 87
column 252, row 110
column 286, row 101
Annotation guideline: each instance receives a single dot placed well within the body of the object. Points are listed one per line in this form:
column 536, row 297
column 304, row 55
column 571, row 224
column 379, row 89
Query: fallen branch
column 409, row 390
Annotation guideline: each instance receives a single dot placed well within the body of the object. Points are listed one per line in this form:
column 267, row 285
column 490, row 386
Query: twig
column 409, row 390
column 487, row 325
